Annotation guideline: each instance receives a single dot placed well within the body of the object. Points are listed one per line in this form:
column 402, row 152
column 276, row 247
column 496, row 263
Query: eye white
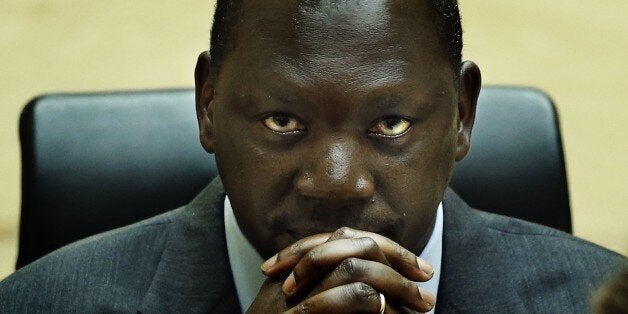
column 391, row 126
column 283, row 124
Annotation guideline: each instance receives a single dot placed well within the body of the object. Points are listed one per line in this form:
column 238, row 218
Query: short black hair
column 445, row 16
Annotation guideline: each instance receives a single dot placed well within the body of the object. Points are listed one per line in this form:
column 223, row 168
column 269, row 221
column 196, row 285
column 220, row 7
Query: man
column 335, row 126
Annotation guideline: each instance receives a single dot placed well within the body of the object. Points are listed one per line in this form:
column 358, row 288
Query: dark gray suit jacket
column 178, row 262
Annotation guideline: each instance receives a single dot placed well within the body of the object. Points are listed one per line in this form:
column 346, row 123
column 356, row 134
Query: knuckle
column 349, row 267
column 402, row 252
column 343, row 233
column 410, row 287
column 368, row 244
column 312, row 257
column 364, row 292
column 296, row 248
column 303, row 308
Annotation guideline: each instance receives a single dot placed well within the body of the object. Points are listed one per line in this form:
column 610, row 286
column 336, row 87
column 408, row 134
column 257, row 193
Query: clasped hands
column 344, row 272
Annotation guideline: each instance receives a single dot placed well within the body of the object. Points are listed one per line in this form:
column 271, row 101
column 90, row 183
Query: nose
column 339, row 177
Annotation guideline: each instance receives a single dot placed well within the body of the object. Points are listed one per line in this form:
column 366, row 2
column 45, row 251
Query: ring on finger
column 382, row 300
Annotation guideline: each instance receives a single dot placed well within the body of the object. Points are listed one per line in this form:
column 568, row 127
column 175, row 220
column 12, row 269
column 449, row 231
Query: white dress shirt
column 245, row 261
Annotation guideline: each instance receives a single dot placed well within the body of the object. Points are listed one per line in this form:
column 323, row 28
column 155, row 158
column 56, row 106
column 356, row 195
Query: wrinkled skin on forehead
column 329, row 116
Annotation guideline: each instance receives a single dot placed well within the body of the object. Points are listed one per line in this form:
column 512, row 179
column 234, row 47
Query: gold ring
column 382, row 300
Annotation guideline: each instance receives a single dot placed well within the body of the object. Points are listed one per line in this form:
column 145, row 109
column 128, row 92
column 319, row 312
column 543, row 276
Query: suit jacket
column 178, row 262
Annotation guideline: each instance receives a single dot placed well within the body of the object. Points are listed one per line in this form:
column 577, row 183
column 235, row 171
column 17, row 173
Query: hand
column 346, row 271
column 270, row 298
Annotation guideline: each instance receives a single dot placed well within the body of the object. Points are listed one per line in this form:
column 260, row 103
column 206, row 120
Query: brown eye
column 392, row 127
column 283, row 124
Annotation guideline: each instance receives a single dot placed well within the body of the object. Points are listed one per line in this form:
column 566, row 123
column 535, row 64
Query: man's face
column 332, row 116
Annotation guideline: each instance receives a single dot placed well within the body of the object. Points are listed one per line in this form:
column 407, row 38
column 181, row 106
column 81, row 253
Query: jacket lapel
column 474, row 276
column 194, row 274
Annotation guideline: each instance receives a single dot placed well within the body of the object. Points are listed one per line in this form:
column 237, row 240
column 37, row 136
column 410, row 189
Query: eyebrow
column 387, row 101
column 258, row 97
column 288, row 98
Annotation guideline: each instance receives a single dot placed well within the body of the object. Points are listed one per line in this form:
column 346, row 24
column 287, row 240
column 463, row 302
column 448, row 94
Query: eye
column 282, row 123
column 391, row 127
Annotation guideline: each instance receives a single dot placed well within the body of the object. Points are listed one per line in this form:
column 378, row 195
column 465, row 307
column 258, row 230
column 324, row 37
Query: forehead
column 356, row 42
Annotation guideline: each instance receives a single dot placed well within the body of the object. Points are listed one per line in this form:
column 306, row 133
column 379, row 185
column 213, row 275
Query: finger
column 269, row 299
column 382, row 278
column 321, row 260
column 356, row 297
column 400, row 258
column 287, row 258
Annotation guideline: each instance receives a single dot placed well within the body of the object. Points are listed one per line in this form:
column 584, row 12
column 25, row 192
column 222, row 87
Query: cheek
column 419, row 181
column 414, row 183
column 252, row 176
column 426, row 161
column 242, row 161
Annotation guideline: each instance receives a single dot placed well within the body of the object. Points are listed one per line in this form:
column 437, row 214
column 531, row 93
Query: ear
column 470, row 84
column 203, row 79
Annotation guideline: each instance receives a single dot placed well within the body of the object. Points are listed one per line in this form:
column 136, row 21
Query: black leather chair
column 93, row 162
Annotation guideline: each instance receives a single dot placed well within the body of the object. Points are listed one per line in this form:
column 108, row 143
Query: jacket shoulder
column 523, row 267
column 114, row 268
column 555, row 269
column 539, row 238
column 527, row 267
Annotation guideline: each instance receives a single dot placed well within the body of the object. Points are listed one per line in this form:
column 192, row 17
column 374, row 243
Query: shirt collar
column 433, row 254
column 245, row 260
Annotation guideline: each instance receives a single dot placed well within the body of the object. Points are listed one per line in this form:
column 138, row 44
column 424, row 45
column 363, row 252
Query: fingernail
column 269, row 263
column 428, row 298
column 425, row 267
column 289, row 285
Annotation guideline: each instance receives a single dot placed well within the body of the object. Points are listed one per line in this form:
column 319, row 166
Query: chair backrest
column 94, row 162
column 516, row 165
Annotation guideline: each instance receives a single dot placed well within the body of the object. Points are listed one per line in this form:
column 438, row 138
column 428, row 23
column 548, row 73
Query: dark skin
column 335, row 133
